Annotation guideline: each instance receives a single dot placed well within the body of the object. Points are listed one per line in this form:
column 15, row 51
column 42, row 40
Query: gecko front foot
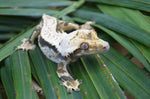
column 87, row 25
column 26, row 45
column 71, row 85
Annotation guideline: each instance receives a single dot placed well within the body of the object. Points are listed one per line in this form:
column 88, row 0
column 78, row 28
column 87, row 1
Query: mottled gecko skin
column 64, row 48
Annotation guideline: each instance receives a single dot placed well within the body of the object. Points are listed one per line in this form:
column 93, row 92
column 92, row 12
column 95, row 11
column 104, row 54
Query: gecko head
column 87, row 42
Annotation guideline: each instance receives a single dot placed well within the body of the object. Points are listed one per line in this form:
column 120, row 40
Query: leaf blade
column 135, row 4
column 128, row 75
column 120, row 26
column 7, row 79
column 102, row 79
column 8, row 48
column 88, row 90
column 27, row 12
column 136, row 18
column 21, row 75
column 33, row 3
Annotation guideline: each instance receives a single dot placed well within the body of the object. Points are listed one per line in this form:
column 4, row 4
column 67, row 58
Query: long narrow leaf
column 36, row 3
column 133, row 16
column 1, row 96
column 88, row 90
column 128, row 75
column 5, row 28
column 135, row 4
column 6, row 36
column 14, row 20
column 21, row 75
column 44, row 76
column 128, row 45
column 8, row 48
column 69, row 9
column 7, row 79
column 102, row 78
column 145, row 50
column 120, row 26
column 27, row 12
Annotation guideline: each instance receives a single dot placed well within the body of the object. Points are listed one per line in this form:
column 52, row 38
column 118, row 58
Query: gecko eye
column 84, row 46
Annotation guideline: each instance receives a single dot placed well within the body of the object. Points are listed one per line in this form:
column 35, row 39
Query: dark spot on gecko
column 70, row 30
column 58, row 29
column 61, row 71
column 62, row 57
column 45, row 43
column 59, row 43
column 89, row 36
column 74, row 56
column 68, row 85
column 60, row 67
column 61, row 22
column 80, row 26
column 61, row 64
column 30, row 41
column 66, row 23
column 67, row 78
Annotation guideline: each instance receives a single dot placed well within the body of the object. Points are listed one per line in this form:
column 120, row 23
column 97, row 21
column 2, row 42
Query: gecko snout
column 106, row 47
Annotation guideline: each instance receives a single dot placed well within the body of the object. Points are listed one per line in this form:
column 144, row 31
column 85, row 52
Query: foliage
column 104, row 76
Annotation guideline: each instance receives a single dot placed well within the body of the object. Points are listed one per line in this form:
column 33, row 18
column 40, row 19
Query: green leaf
column 127, row 74
column 135, row 17
column 88, row 90
column 1, row 96
column 34, row 3
column 44, row 76
column 117, row 25
column 13, row 20
column 8, row 48
column 144, row 50
column 102, row 78
column 5, row 28
column 7, row 78
column 21, row 75
column 128, row 45
column 6, row 36
column 27, row 12
column 70, row 9
column 135, row 4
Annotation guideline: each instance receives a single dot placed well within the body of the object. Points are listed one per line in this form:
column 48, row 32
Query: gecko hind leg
column 66, row 78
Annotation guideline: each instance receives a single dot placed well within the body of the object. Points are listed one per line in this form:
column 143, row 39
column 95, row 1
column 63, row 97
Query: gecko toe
column 61, row 83
column 80, row 81
column 69, row 90
column 77, row 89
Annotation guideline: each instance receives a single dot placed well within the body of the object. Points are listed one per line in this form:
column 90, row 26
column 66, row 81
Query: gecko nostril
column 104, row 47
